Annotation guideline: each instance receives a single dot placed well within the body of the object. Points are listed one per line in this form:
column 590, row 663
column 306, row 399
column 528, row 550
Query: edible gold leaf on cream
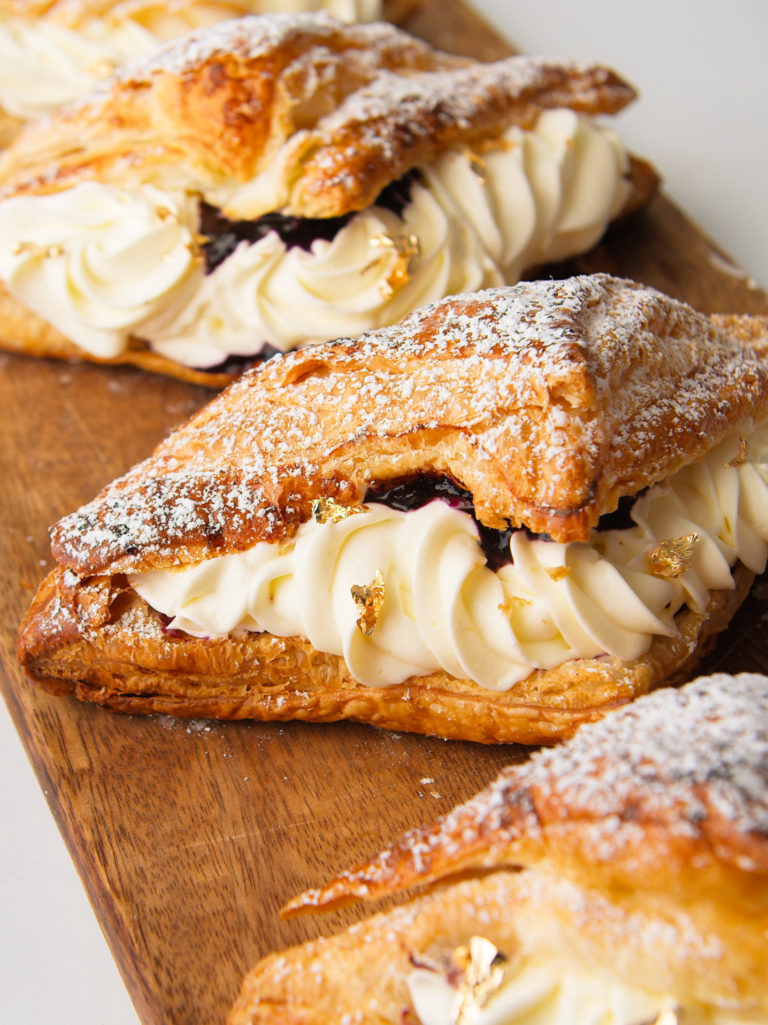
column 558, row 572
column 328, row 510
column 667, row 1016
column 512, row 603
column 407, row 249
column 476, row 162
column 742, row 455
column 195, row 245
column 671, row 557
column 483, row 967
column 101, row 68
column 368, row 599
column 36, row 249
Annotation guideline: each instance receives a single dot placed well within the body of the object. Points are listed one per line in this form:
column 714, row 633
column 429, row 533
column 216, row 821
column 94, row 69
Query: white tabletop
column 703, row 121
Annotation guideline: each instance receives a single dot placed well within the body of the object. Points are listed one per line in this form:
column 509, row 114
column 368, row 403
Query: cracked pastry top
column 273, row 181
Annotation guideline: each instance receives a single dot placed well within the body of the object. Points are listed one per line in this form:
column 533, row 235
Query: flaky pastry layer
column 548, row 401
column 98, row 641
column 327, row 113
column 637, row 850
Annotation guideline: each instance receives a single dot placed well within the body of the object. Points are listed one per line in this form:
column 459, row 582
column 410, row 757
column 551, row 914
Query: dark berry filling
column 413, row 493
column 223, row 235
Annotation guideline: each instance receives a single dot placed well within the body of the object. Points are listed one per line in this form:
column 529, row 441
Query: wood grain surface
column 190, row 836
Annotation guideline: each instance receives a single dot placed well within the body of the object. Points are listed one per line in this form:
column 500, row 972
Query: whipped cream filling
column 545, row 990
column 101, row 263
column 44, row 63
column 474, row 220
column 400, row 594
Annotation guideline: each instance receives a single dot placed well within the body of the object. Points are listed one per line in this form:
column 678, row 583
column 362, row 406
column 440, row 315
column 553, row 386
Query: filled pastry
column 620, row 879
column 270, row 182
column 52, row 51
column 494, row 521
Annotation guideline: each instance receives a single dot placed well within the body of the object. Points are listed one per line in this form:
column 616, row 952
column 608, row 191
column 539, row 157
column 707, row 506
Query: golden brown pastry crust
column 327, row 113
column 638, row 849
column 548, row 401
column 98, row 641
column 298, row 114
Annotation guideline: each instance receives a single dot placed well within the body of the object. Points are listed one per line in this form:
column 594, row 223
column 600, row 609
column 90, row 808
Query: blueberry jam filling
column 413, row 493
column 223, row 235
column 407, row 494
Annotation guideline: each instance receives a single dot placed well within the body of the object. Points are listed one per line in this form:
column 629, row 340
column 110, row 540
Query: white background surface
column 703, row 121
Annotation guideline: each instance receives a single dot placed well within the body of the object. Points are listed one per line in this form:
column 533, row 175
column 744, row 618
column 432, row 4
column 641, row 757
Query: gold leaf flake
column 671, row 557
column 509, row 605
column 742, row 455
column 408, row 250
column 667, row 1016
column 36, row 249
column 558, row 572
column 483, row 974
column 328, row 510
column 195, row 245
column 476, row 162
column 368, row 599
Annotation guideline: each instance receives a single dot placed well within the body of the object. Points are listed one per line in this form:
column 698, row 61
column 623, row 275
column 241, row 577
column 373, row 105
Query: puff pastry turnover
column 433, row 528
column 278, row 180
column 621, row 877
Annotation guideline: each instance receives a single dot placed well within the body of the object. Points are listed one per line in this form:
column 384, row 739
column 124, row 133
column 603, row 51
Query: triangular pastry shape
column 621, row 877
column 499, row 519
column 273, row 181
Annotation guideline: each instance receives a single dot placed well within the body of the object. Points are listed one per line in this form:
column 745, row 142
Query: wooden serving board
column 190, row 836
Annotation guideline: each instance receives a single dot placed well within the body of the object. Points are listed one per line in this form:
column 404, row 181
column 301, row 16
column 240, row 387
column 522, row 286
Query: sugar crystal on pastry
column 510, row 459
column 619, row 878
column 336, row 176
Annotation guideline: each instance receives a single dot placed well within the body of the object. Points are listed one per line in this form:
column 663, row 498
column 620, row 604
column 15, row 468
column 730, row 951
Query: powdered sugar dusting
column 252, row 37
column 691, row 762
column 539, row 392
column 688, row 752
column 677, row 756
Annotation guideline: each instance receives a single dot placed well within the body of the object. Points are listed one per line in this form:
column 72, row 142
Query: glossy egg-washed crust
column 548, row 401
column 637, row 850
column 323, row 115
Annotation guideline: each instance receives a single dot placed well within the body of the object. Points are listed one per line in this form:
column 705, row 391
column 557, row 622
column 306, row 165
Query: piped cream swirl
column 44, row 64
column 101, row 263
column 444, row 609
column 473, row 221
